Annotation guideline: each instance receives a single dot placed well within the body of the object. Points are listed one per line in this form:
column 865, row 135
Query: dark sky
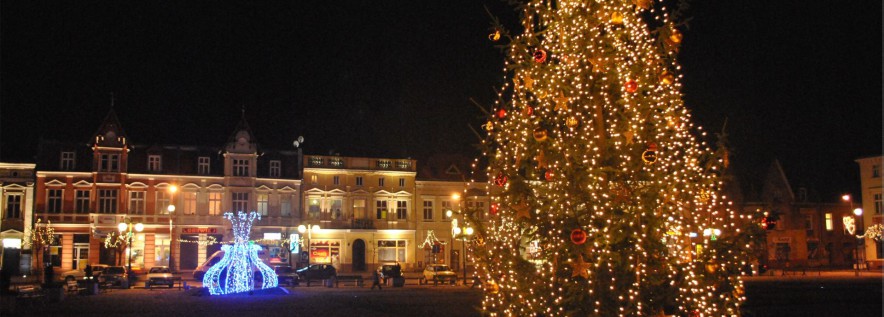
column 797, row 81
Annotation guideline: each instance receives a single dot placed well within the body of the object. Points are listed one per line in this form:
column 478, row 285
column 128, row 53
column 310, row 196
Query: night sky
column 796, row 81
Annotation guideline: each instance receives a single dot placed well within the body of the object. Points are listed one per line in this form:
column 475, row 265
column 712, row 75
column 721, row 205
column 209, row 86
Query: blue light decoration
column 233, row 273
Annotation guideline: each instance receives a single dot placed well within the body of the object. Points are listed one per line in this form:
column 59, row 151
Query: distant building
column 16, row 204
column 803, row 231
column 872, row 205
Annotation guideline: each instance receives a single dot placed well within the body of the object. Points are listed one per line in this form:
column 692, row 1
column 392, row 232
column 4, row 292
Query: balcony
column 362, row 163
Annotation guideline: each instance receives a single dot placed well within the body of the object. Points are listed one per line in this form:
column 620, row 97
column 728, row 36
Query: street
column 828, row 294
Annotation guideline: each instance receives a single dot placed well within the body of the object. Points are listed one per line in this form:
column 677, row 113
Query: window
column 163, row 201
column 314, row 179
column 82, row 201
column 274, row 168
column 391, row 250
column 446, row 206
column 358, row 180
column 109, row 163
column 401, row 209
column 240, row 167
column 154, row 163
column 359, row 209
column 189, row 203
column 240, row 202
column 879, row 204
column 285, row 205
column 136, row 202
column 401, row 182
column 67, row 161
column 336, row 180
column 830, row 225
column 107, row 201
column 381, row 181
column 336, row 209
column 313, row 208
column 813, row 251
column 428, row 210
column 203, row 163
column 876, row 170
column 13, row 206
column 263, row 199
column 214, row 203
column 808, row 225
column 53, row 201
column 381, row 209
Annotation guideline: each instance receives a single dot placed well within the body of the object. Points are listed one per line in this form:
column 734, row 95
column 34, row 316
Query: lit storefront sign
column 295, row 243
column 272, row 236
column 11, row 243
column 325, row 251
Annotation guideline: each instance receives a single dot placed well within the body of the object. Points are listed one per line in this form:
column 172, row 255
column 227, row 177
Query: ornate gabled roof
column 243, row 139
column 110, row 133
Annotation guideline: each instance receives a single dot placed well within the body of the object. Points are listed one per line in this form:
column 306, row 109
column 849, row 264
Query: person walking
column 376, row 279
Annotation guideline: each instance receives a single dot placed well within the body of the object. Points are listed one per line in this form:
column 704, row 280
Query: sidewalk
column 844, row 274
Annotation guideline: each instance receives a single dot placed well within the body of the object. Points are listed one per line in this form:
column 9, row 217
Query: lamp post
column 462, row 234
column 309, row 229
column 171, row 209
column 858, row 212
column 128, row 228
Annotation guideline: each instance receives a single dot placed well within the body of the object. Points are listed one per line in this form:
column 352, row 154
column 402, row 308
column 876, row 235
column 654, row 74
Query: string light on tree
column 598, row 174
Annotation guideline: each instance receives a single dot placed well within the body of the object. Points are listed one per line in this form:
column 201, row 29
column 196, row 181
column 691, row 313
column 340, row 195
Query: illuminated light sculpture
column 233, row 273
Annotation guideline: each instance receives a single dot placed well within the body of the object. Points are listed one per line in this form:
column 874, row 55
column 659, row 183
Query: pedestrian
column 49, row 275
column 376, row 279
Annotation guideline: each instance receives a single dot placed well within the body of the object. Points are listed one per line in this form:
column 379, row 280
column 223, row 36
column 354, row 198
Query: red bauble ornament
column 501, row 113
column 500, row 180
column 495, row 207
column 631, row 86
column 540, row 56
column 578, row 236
column 549, row 175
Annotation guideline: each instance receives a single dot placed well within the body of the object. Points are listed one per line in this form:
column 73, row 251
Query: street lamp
column 858, row 212
column 309, row 230
column 128, row 228
column 171, row 209
column 463, row 234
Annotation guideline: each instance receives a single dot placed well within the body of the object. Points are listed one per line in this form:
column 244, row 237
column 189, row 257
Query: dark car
column 114, row 275
column 390, row 271
column 286, row 275
column 317, row 272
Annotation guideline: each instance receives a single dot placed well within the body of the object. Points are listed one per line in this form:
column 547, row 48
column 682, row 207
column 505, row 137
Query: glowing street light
column 309, row 230
column 128, row 228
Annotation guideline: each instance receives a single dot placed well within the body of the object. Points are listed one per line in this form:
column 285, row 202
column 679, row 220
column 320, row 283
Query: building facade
column 872, row 205
column 16, row 204
column 355, row 213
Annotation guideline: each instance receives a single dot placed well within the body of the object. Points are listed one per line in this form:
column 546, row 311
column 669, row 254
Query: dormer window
column 67, row 161
column 154, row 163
column 240, row 167
column 109, row 163
column 274, row 168
column 203, row 165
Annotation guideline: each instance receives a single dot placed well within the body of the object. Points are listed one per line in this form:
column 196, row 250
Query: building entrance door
column 81, row 255
column 359, row 255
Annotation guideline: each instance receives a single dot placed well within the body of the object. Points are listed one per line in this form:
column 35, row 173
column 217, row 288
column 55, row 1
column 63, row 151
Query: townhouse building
column 16, row 205
column 871, row 184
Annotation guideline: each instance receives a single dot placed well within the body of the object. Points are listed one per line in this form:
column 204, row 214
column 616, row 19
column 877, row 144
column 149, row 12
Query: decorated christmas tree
column 605, row 199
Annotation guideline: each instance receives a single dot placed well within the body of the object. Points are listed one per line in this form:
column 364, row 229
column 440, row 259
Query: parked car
column 390, row 271
column 286, row 275
column 80, row 275
column 316, row 272
column 160, row 275
column 113, row 275
column 439, row 273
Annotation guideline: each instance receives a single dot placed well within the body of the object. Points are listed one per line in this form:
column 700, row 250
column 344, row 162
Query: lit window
column 154, row 163
column 381, row 209
column 830, row 224
column 336, row 209
column 136, row 202
column 274, row 168
column 214, row 203
column 262, row 204
column 314, row 179
column 313, row 208
column 391, row 250
column 203, row 162
column 67, row 161
column 446, row 206
column 189, row 203
column 163, row 201
column 53, row 201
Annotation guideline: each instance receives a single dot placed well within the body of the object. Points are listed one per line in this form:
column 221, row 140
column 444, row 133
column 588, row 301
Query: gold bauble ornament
column 675, row 37
column 540, row 134
column 572, row 122
column 644, row 4
column 617, row 18
column 494, row 36
column 667, row 78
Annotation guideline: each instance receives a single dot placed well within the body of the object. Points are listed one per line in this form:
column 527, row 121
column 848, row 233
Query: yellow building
column 872, row 205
